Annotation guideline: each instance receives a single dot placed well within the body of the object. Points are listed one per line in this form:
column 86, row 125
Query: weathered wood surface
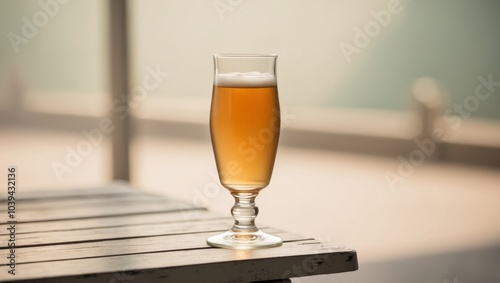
column 116, row 188
column 125, row 246
column 111, row 209
column 59, row 203
column 117, row 234
column 113, row 221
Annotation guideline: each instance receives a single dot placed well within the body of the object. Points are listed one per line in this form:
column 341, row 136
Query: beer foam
column 248, row 79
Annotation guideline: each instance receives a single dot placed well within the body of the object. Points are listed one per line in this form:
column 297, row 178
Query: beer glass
column 244, row 128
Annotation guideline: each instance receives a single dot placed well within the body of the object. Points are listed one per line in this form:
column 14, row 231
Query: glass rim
column 244, row 55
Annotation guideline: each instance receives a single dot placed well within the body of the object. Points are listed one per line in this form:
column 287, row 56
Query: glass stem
column 244, row 212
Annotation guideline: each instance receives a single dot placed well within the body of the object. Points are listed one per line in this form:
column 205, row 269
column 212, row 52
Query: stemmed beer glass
column 244, row 127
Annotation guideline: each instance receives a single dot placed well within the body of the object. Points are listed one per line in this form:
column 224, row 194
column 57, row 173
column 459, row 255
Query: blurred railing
column 373, row 132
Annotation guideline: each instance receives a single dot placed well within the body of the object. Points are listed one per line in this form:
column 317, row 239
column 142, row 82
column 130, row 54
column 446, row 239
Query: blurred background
column 391, row 117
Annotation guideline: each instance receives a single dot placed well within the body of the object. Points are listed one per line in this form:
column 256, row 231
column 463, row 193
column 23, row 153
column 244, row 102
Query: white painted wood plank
column 124, row 232
column 100, row 211
column 110, row 189
column 58, row 203
column 124, row 247
column 113, row 221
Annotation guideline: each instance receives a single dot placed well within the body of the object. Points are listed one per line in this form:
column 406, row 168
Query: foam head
column 248, row 79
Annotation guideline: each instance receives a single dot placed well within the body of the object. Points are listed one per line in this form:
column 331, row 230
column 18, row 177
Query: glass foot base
column 244, row 241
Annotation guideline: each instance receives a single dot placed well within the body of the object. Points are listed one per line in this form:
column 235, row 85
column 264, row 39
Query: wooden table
column 118, row 234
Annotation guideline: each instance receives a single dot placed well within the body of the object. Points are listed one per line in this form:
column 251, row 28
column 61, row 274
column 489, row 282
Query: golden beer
column 244, row 127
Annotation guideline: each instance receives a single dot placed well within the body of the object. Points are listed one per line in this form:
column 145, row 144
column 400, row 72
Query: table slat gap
column 109, row 239
column 86, row 202
column 109, row 215
column 123, row 225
